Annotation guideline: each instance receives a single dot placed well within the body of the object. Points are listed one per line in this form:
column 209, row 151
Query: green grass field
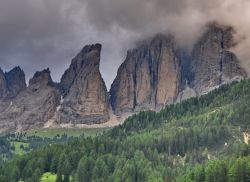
column 74, row 132
column 18, row 149
column 48, row 177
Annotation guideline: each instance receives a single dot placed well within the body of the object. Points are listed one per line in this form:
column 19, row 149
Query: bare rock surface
column 85, row 95
column 15, row 81
column 212, row 62
column 158, row 72
column 33, row 106
column 3, row 86
column 12, row 83
column 149, row 78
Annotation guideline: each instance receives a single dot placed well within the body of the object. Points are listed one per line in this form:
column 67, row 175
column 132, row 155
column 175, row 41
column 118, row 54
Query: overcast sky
column 36, row 34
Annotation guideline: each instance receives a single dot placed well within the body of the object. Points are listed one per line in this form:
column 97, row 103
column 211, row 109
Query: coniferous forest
column 200, row 139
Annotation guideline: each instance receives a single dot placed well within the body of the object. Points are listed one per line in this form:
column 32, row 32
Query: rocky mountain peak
column 212, row 62
column 220, row 35
column 89, row 56
column 42, row 78
column 90, row 48
column 157, row 41
column 15, row 80
column 11, row 83
column 148, row 78
column 85, row 93
column 33, row 106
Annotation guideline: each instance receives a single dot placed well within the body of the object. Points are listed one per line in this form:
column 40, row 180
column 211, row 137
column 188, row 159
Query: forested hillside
column 228, row 169
column 211, row 131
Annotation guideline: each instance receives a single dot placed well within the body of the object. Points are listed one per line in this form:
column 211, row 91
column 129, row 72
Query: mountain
column 32, row 107
column 158, row 72
column 80, row 98
column 11, row 83
column 212, row 61
column 149, row 78
column 85, row 96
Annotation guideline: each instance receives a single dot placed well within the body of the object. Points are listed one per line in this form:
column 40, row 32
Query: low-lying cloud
column 44, row 33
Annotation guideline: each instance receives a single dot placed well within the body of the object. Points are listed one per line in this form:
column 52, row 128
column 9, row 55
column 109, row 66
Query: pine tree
column 59, row 177
column 37, row 175
column 84, row 169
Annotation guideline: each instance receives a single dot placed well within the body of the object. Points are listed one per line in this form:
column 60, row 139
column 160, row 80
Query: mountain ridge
column 155, row 74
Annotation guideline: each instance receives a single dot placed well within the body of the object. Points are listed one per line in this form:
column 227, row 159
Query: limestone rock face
column 15, row 80
column 3, row 86
column 212, row 62
column 159, row 72
column 11, row 83
column 33, row 106
column 148, row 79
column 85, row 95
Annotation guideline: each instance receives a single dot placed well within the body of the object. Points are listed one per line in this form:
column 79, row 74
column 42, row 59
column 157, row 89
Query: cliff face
column 148, row 79
column 80, row 98
column 159, row 73
column 33, row 106
column 3, row 87
column 15, row 80
column 11, row 83
column 212, row 62
column 85, row 95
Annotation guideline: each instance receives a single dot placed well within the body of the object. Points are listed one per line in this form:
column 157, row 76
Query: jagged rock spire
column 86, row 96
column 149, row 78
column 12, row 83
column 212, row 62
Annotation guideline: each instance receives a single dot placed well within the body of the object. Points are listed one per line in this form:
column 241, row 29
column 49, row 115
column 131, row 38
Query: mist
column 44, row 33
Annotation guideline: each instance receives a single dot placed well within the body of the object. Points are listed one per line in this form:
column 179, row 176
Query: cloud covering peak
column 45, row 33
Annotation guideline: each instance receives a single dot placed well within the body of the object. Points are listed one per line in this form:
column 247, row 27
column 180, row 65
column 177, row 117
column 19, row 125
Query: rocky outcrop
column 159, row 73
column 33, row 106
column 80, row 98
column 3, row 87
column 15, row 80
column 85, row 95
column 186, row 93
column 149, row 78
column 11, row 83
column 212, row 62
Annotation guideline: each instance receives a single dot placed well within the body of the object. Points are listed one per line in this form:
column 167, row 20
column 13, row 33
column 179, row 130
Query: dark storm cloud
column 186, row 19
column 33, row 34
column 37, row 34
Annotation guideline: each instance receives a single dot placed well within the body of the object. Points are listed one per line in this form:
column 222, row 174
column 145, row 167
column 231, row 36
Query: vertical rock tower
column 85, row 94
column 212, row 62
column 12, row 83
column 149, row 78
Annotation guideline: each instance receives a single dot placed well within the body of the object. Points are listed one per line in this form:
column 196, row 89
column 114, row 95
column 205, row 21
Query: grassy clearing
column 74, row 132
column 48, row 177
column 18, row 149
